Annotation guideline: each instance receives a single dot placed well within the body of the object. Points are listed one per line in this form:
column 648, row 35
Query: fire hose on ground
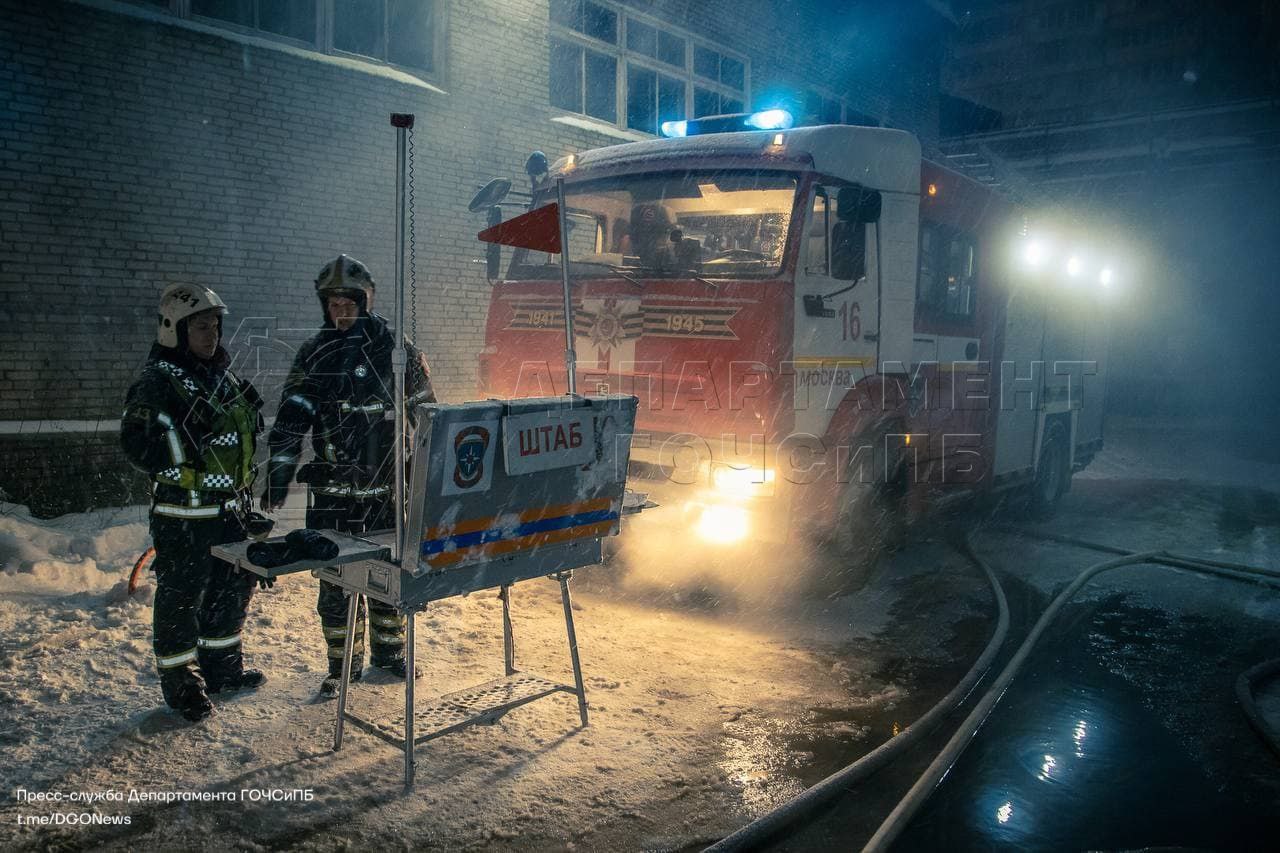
column 759, row 831
column 902, row 814
column 756, row 832
column 1245, row 686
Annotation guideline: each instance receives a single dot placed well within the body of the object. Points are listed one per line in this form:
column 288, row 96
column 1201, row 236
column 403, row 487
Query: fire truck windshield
column 708, row 223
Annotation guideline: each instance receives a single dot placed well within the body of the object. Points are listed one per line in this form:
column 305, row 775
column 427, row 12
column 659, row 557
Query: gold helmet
column 180, row 302
column 345, row 276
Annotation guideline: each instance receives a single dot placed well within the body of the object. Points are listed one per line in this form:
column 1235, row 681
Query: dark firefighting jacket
column 341, row 390
column 193, row 427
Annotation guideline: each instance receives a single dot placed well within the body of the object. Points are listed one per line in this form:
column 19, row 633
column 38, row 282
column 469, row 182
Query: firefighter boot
column 333, row 605
column 387, row 626
column 184, row 691
column 400, row 669
column 335, row 638
column 224, row 670
column 333, row 681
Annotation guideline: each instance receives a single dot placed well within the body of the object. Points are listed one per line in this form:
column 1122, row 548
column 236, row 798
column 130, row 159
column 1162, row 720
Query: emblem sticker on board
column 470, row 454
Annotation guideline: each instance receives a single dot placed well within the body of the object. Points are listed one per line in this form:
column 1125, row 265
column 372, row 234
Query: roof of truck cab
column 876, row 157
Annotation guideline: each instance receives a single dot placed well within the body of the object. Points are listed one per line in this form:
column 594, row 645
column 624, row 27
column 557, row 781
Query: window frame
column 847, row 110
column 626, row 58
column 823, row 237
column 520, row 268
column 942, row 238
column 323, row 42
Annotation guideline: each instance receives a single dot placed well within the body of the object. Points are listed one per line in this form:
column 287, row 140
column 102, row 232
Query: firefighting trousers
column 200, row 604
column 386, row 624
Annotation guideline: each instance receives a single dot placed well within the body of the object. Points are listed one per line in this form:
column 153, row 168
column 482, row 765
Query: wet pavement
column 1082, row 752
column 1122, row 731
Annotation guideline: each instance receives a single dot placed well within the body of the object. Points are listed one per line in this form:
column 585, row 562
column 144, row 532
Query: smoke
column 670, row 563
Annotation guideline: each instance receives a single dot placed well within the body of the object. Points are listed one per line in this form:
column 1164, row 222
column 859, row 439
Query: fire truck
column 828, row 335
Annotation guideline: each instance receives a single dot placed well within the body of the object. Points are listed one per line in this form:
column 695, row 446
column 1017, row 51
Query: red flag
column 538, row 230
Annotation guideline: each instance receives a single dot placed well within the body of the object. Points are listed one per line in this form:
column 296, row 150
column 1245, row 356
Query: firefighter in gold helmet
column 192, row 426
column 340, row 389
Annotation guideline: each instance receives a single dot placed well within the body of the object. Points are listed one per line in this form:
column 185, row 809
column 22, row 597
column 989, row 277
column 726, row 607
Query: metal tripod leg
column 508, row 636
column 573, row 645
column 408, row 699
column 352, row 609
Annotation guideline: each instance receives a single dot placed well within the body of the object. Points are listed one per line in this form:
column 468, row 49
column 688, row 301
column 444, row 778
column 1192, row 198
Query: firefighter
column 192, row 426
column 340, row 389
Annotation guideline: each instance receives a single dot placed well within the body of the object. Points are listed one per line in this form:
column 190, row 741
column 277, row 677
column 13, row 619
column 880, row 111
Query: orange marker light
column 932, row 189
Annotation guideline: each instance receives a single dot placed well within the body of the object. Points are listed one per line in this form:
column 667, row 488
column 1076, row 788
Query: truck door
column 1021, row 367
column 836, row 341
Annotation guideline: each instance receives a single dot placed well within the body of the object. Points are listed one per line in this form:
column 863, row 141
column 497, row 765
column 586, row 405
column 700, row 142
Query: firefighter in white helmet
column 340, row 390
column 192, row 426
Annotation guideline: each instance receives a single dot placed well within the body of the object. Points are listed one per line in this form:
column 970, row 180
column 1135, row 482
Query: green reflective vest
column 225, row 463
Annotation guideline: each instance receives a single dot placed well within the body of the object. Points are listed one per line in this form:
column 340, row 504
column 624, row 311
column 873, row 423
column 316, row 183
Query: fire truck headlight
column 1075, row 266
column 1034, row 253
column 742, row 482
column 722, row 525
column 1106, row 277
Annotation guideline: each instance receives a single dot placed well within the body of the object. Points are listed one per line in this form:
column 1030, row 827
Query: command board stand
column 482, row 704
column 501, row 491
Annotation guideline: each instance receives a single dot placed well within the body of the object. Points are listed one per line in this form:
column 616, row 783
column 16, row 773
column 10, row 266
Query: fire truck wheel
column 1051, row 474
column 869, row 524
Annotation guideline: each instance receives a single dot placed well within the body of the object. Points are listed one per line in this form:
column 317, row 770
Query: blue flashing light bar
column 762, row 120
column 770, row 120
column 675, row 128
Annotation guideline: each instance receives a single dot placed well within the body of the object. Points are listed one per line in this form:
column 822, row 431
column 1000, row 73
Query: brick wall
column 136, row 152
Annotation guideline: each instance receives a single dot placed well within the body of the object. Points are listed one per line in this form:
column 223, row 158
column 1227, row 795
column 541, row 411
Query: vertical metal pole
column 352, row 609
column 573, row 647
column 402, row 123
column 408, row 699
column 570, row 356
column 508, row 636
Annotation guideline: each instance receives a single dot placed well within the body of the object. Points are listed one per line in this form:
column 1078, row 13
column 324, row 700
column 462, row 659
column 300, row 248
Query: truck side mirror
column 490, row 194
column 493, row 251
column 869, row 210
column 858, row 204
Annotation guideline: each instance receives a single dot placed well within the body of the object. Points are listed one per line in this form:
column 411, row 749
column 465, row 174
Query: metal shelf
column 483, row 704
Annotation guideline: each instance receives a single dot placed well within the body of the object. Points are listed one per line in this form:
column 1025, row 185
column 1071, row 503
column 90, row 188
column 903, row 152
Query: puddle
column 772, row 759
column 1080, row 754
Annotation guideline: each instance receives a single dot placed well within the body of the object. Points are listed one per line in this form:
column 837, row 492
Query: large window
column 813, row 107
column 295, row 19
column 406, row 33
column 947, row 281
column 716, row 224
column 636, row 73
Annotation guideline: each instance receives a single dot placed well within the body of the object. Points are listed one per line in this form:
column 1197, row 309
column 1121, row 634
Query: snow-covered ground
column 705, row 710
column 1206, row 453
column 699, row 718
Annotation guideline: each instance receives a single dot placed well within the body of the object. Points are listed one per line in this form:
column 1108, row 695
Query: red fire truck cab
column 826, row 333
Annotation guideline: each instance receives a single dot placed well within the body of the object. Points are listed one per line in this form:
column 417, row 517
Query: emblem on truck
column 606, row 327
column 612, row 326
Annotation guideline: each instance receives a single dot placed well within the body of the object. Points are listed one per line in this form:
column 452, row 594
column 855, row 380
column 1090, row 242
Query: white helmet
column 180, row 301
